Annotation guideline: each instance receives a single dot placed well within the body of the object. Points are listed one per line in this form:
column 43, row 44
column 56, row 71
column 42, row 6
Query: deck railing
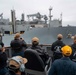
column 47, row 48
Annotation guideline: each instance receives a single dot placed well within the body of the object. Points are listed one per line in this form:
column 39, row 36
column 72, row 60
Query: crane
column 1, row 15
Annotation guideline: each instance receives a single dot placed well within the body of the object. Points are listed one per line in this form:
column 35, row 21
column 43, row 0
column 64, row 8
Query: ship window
column 21, row 32
column 32, row 25
column 7, row 32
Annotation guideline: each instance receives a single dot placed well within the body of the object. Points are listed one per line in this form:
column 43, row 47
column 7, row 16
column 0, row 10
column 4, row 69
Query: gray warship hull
column 49, row 35
column 45, row 35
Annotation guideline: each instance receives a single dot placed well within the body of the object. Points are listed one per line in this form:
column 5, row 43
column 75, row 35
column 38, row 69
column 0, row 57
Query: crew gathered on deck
column 63, row 66
column 63, row 59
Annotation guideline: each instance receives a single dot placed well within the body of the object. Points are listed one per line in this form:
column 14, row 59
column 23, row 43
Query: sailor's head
column 59, row 36
column 66, row 50
column 74, row 39
column 17, row 35
column 1, row 46
column 35, row 41
column 17, row 63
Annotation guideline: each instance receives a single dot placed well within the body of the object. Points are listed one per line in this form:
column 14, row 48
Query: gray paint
column 45, row 35
column 49, row 35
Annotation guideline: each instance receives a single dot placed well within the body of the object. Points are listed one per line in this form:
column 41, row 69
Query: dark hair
column 74, row 37
column 20, row 38
column 2, row 44
column 59, row 38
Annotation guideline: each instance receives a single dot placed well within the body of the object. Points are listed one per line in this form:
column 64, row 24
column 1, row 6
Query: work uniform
column 35, row 46
column 44, row 55
column 17, row 47
column 56, row 48
column 63, row 66
column 73, row 56
column 3, row 60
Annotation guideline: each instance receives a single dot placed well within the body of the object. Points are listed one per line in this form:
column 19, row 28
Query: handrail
column 39, row 45
column 46, row 47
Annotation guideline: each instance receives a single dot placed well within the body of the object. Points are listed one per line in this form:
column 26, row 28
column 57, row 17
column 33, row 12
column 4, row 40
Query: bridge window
column 21, row 32
column 7, row 32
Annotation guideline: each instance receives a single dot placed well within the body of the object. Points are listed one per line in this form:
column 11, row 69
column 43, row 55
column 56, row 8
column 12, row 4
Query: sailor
column 18, row 45
column 17, row 65
column 56, row 47
column 73, row 46
column 35, row 43
column 42, row 53
column 63, row 66
column 3, row 59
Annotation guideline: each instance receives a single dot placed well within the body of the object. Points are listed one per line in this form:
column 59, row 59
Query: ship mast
column 61, row 18
column 13, row 19
column 50, row 16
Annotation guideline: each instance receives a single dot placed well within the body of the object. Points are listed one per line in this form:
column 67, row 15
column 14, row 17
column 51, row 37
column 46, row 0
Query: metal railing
column 47, row 48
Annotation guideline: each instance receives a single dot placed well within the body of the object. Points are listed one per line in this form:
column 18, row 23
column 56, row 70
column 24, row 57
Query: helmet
column 66, row 50
column 35, row 39
column 18, row 62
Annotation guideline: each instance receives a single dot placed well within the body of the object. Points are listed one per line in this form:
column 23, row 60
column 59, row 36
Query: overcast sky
column 67, row 7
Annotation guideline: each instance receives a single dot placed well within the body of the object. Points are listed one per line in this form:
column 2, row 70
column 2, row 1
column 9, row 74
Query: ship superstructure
column 34, row 21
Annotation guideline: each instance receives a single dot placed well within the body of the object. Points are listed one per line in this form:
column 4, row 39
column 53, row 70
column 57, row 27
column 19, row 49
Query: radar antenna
column 61, row 18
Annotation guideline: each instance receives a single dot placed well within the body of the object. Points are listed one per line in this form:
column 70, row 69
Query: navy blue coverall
column 63, row 66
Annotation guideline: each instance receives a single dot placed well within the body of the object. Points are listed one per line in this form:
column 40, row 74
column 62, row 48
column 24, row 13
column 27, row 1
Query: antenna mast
column 61, row 18
column 50, row 16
